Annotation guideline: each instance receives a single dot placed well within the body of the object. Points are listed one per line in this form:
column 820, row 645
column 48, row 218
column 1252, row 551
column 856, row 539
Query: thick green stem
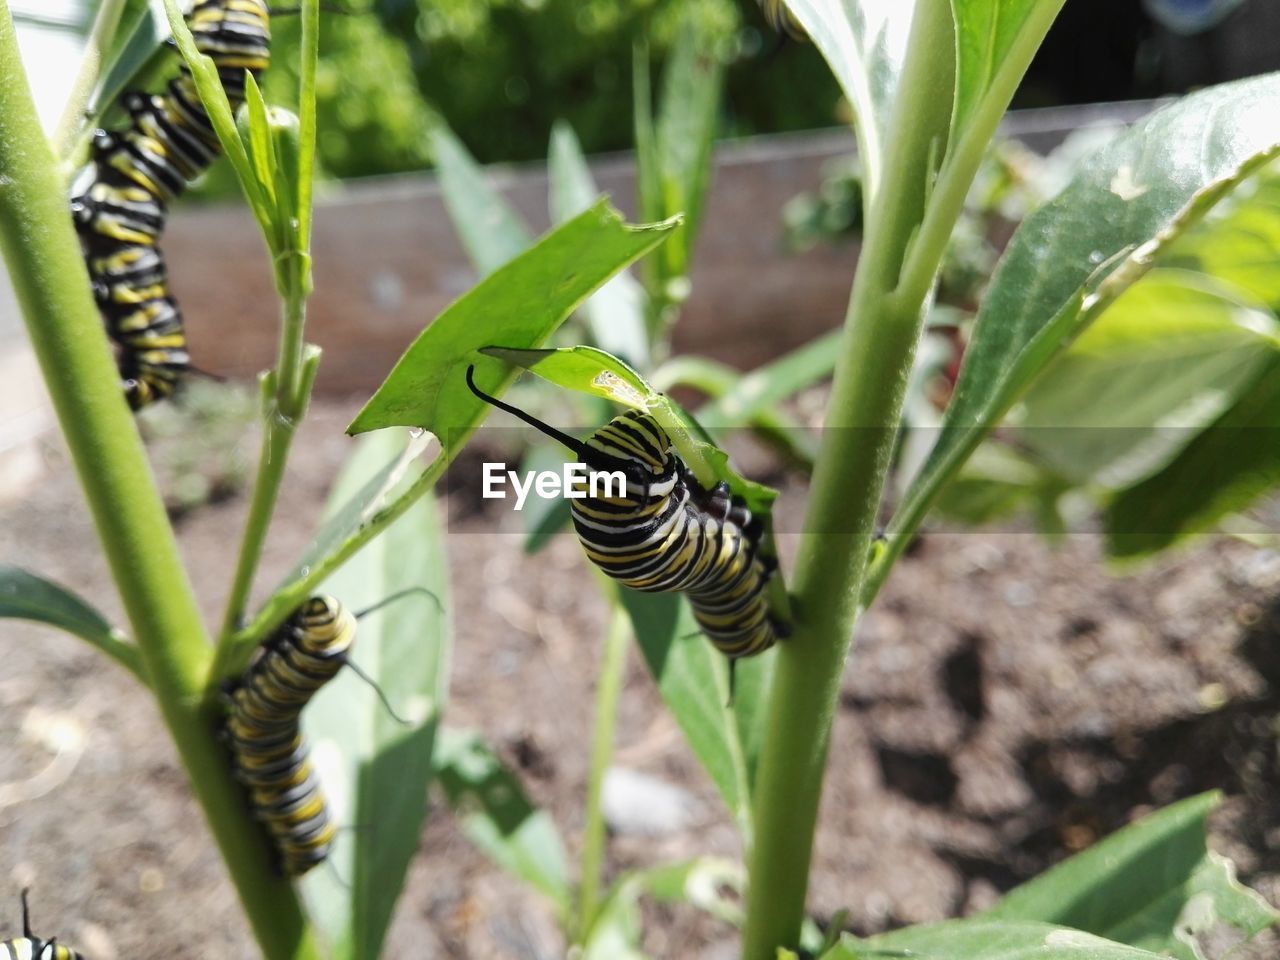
column 871, row 374
column 48, row 274
column 104, row 29
column 608, row 693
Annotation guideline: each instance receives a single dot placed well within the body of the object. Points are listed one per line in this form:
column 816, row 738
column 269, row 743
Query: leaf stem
column 608, row 693
column 105, row 25
column 875, row 357
column 48, row 272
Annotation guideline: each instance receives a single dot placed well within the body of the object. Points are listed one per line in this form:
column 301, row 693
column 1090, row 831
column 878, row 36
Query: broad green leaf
column 1168, row 358
column 585, row 369
column 997, row 482
column 1153, row 885
column 491, row 231
column 1238, row 242
column 1071, row 258
column 864, row 42
column 615, row 313
column 25, row 596
column 519, row 306
column 499, row 818
column 982, row 939
column 374, row 768
column 1222, row 471
column 704, row 882
column 694, row 683
column 986, row 32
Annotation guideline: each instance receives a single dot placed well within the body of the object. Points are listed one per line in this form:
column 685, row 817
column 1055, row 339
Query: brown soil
column 1009, row 703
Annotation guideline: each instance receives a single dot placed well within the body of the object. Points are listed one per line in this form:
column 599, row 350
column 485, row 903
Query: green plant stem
column 608, row 694
column 287, row 391
column 876, row 351
column 103, row 32
column 48, row 273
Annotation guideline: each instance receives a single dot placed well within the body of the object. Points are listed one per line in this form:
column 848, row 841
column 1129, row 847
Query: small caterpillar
column 668, row 533
column 262, row 729
column 125, row 191
column 30, row 947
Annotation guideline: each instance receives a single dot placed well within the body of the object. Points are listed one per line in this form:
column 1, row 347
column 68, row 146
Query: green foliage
column 499, row 818
column 1073, row 257
column 983, row 940
column 503, row 71
column 25, row 596
column 375, row 767
column 1153, row 885
column 517, row 306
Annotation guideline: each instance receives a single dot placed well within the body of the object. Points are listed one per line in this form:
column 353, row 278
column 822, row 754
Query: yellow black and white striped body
column 262, row 729
column 30, row 947
column 123, row 196
column 668, row 534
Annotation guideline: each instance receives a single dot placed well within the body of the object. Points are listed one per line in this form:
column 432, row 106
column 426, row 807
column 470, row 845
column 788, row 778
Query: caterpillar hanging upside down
column 669, row 534
column 263, row 729
column 123, row 196
column 30, row 947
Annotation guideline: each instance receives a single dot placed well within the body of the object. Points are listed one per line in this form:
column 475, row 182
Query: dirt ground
column 1008, row 704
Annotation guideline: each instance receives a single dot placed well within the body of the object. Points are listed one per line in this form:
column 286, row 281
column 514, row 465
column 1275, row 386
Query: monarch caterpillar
column 668, row 533
column 30, row 947
column 136, row 173
column 269, row 754
column 780, row 18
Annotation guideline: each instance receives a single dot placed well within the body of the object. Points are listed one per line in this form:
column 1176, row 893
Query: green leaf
column 997, row 482
column 1071, row 258
column 864, row 42
column 1238, row 243
column 615, row 313
column 986, row 31
column 499, row 818
column 304, row 169
column 1168, row 358
column 374, row 769
column 25, row 596
column 687, row 115
column 585, row 369
column 491, row 231
column 1153, row 885
column 702, row 882
column 767, row 386
column 1222, row 471
column 137, row 52
column 214, row 100
column 543, row 517
column 517, row 306
column 982, row 939
column 692, row 678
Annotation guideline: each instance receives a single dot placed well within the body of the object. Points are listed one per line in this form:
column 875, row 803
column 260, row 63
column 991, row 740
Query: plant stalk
column 286, row 393
column 48, row 273
column 877, row 347
column 608, row 694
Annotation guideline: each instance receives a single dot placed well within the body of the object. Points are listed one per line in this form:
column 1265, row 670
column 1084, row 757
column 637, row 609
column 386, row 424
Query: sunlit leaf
column 374, row 767
column 1153, row 885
